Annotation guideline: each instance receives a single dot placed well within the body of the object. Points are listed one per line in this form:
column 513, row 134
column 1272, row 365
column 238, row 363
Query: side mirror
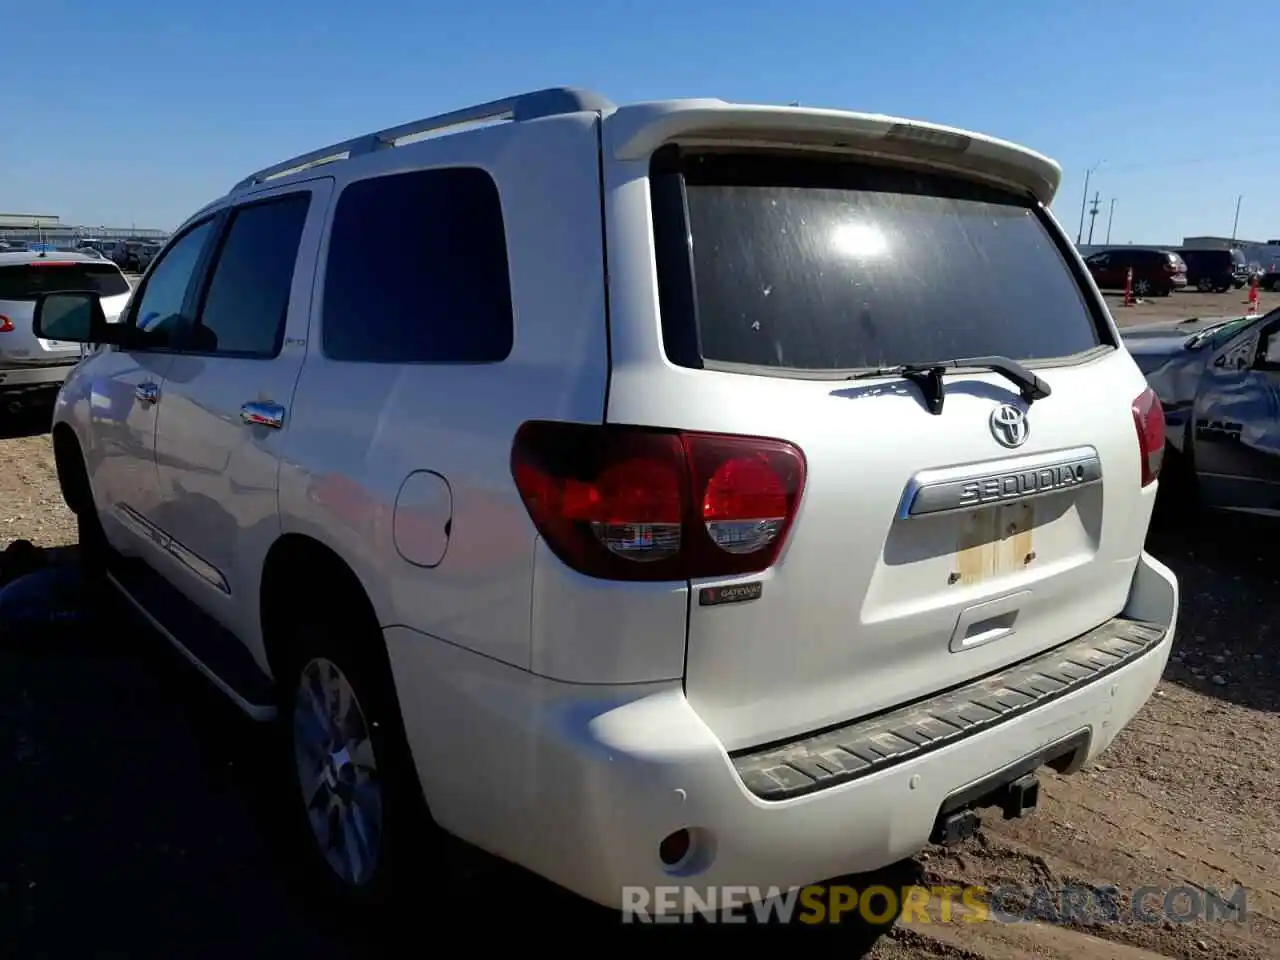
column 73, row 317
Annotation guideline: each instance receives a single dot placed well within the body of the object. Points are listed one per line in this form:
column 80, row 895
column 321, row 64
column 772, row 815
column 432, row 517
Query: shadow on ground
column 1228, row 569
column 141, row 817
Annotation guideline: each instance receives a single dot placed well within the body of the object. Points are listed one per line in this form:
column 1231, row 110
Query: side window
column 1268, row 350
column 1098, row 260
column 417, row 271
column 158, row 313
column 247, row 296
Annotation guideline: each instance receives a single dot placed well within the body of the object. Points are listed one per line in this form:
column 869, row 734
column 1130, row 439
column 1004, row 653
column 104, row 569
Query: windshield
column 812, row 265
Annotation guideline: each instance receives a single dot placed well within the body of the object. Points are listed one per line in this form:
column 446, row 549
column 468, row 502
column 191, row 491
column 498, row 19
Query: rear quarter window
column 28, row 281
column 812, row 265
column 417, row 271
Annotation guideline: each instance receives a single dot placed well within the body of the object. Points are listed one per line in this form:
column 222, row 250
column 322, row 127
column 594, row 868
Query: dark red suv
column 1155, row 272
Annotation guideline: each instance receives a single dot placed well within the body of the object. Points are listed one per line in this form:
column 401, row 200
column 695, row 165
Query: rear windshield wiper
column 928, row 377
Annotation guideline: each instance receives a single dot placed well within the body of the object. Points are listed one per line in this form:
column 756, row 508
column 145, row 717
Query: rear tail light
column 1148, row 419
column 629, row 503
column 6, row 325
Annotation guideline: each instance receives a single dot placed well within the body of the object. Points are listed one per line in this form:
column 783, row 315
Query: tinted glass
column 417, row 271
column 159, row 310
column 27, row 281
column 813, row 265
column 248, row 294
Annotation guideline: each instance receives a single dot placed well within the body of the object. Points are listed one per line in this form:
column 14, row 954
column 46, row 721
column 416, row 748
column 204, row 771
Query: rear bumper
column 581, row 783
column 14, row 376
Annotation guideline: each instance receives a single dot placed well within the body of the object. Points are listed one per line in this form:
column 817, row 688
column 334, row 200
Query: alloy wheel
column 337, row 772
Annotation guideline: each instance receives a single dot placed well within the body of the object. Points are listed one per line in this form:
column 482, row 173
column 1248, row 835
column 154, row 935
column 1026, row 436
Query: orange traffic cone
column 1128, row 288
column 1253, row 296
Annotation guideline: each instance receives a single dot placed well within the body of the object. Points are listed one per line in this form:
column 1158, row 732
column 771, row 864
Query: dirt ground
column 1190, row 304
column 1186, row 798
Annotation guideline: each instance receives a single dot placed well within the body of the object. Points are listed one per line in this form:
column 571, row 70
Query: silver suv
column 682, row 493
column 30, row 364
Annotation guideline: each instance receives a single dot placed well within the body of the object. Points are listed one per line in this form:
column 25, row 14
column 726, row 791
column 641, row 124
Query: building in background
column 1264, row 252
column 49, row 228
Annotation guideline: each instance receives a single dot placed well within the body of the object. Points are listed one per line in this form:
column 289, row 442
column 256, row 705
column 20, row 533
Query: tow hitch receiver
column 1014, row 790
column 1015, row 799
column 1021, row 797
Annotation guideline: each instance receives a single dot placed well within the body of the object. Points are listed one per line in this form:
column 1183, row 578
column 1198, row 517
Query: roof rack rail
column 550, row 102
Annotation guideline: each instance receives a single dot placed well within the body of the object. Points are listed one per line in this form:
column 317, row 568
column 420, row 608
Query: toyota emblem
column 1009, row 425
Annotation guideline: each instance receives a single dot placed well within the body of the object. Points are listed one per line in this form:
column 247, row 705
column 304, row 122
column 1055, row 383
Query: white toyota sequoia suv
column 675, row 493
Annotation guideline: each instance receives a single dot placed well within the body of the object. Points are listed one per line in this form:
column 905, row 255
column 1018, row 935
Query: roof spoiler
column 637, row 131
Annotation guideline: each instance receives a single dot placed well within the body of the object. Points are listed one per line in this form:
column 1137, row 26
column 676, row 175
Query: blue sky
column 139, row 112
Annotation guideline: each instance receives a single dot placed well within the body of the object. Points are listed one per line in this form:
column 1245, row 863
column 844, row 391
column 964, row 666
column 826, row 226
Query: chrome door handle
column 263, row 415
column 147, row 392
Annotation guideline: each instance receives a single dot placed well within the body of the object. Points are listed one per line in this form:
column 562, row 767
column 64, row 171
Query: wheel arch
column 298, row 564
column 73, row 477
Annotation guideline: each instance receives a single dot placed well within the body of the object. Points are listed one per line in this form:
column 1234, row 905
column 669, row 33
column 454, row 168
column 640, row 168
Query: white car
column 683, row 493
column 32, row 365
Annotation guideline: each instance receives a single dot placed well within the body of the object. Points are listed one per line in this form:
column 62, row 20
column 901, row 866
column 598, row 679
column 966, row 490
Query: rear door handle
column 147, row 392
column 263, row 415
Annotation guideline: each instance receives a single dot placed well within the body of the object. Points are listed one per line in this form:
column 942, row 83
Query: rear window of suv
column 27, row 281
column 817, row 266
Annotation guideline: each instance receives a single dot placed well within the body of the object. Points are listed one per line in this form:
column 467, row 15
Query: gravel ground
column 140, row 821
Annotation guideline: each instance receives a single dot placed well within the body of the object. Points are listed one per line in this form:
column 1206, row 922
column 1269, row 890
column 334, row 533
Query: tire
column 1178, row 501
column 1178, row 486
column 1142, row 288
column 94, row 550
column 355, row 773
column 1275, row 285
column 1205, row 285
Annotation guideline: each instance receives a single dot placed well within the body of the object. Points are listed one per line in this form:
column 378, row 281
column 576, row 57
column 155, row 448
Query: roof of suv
column 20, row 257
column 638, row 129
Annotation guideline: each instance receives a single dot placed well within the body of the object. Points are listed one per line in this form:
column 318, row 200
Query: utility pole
column 1110, row 214
column 1084, row 200
column 1236, row 223
column 1093, row 216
